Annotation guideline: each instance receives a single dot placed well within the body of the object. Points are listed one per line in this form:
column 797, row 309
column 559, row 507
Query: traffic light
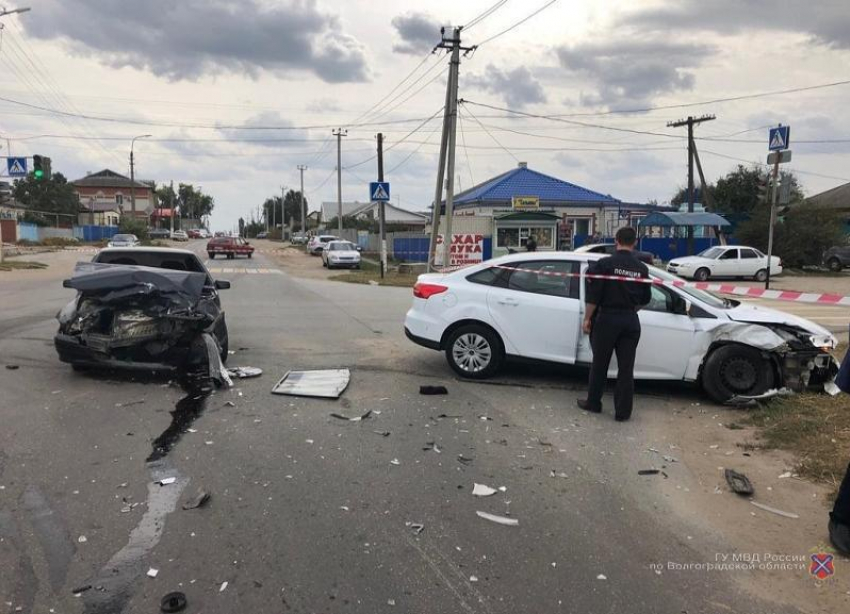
column 38, row 167
column 41, row 167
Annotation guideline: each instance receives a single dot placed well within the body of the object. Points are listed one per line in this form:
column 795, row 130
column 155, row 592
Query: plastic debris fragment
column 482, row 490
column 510, row 522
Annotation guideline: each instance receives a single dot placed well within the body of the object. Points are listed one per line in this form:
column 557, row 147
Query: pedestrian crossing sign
column 379, row 191
column 16, row 167
column 778, row 138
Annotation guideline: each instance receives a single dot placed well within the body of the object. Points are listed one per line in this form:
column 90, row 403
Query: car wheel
column 736, row 369
column 702, row 274
column 80, row 368
column 212, row 256
column 761, row 275
column 250, row 255
column 475, row 351
column 834, row 265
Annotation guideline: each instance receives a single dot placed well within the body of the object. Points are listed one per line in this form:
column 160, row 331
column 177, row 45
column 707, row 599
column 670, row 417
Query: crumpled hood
column 766, row 315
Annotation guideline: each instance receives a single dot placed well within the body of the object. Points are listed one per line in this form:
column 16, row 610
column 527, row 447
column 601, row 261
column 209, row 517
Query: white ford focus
column 531, row 306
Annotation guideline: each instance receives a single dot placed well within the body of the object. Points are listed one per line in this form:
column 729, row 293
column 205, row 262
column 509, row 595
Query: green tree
column 54, row 195
column 291, row 208
column 193, row 202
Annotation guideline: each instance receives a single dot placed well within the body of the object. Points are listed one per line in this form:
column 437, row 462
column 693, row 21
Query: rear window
column 157, row 260
column 220, row 240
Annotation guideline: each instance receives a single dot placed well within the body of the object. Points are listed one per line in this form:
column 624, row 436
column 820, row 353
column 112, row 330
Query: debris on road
column 320, row 383
column 395, row 461
column 244, row 372
column 752, row 401
column 355, row 419
column 199, row 500
column 152, row 572
column 433, row 390
column 173, row 602
column 432, row 446
column 482, row 490
column 473, row 578
column 81, row 589
column 601, row 577
column 773, row 510
column 382, row 433
column 648, row 471
column 670, row 459
column 230, row 404
column 82, row 539
column 509, row 522
column 738, row 482
column 166, row 481
column 464, row 460
column 415, row 527
column 222, row 587
column 12, row 367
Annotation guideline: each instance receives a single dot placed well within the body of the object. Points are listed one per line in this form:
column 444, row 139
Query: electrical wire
column 490, row 134
column 392, row 91
column 762, row 164
column 482, row 16
column 412, row 153
column 390, row 107
column 517, row 24
column 399, row 142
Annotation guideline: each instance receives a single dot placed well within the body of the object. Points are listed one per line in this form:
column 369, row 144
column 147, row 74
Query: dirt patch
column 21, row 265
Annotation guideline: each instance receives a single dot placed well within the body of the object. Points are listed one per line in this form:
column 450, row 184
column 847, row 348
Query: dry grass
column 18, row 265
column 372, row 274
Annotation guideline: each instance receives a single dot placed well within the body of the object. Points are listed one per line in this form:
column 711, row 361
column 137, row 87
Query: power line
column 392, row 91
column 397, row 143
column 490, row 134
column 482, row 16
column 465, row 149
column 390, row 107
column 796, row 170
column 517, row 24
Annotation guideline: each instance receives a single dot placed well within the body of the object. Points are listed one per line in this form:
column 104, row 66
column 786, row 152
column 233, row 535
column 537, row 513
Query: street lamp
column 133, row 174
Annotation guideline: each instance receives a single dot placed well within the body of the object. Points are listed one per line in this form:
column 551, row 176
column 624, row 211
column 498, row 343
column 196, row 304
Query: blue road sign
column 16, row 167
column 779, row 138
column 379, row 190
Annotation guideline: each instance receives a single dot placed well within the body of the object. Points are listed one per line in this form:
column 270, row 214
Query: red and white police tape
column 835, row 300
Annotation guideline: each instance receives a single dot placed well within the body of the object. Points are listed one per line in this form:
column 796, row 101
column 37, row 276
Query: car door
column 536, row 308
column 727, row 264
column 751, row 262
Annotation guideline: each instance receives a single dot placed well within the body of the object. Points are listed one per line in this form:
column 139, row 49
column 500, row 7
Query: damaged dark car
column 150, row 308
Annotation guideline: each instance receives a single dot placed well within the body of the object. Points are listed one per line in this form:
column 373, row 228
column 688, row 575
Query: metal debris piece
column 166, row 481
column 321, row 383
column 751, row 400
column 356, row 419
column 199, row 500
column 230, row 404
column 415, row 527
column 382, row 433
column 244, row 372
column 510, row 522
column 173, row 602
column 773, row 510
column 431, row 390
column 81, row 589
column 432, row 446
column 465, row 460
column 482, row 490
column 395, row 461
column 648, row 471
column 152, row 572
column 738, row 482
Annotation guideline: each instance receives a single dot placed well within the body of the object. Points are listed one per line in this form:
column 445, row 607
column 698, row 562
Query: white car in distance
column 725, row 261
column 341, row 253
column 318, row 242
column 531, row 306
column 124, row 241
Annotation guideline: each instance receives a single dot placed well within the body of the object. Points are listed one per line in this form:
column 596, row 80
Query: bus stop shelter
column 665, row 234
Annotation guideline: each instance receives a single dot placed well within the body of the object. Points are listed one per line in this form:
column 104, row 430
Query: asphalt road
column 310, row 513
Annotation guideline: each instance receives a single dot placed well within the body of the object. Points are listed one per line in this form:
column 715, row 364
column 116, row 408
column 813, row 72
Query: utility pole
column 302, row 168
column 339, row 133
column 690, row 122
column 447, row 150
column 773, row 201
column 382, row 230
column 133, row 174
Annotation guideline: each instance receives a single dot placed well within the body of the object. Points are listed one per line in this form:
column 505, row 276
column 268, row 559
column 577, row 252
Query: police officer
column 531, row 244
column 611, row 320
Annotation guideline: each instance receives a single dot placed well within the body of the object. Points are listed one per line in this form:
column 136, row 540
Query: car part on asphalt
column 152, row 573
column 751, row 401
column 773, row 510
column 433, row 390
column 244, row 372
column 738, row 482
column 648, row 471
column 322, row 383
column 355, row 419
column 482, row 490
column 12, row 367
column 173, row 602
column 199, row 500
column 81, row 589
column 509, row 522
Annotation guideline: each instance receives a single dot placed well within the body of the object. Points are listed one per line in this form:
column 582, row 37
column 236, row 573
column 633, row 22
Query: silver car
column 341, row 254
column 124, row 241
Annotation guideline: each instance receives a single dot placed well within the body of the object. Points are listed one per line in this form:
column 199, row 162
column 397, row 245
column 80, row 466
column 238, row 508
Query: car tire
column 736, row 369
column 474, row 351
column 211, row 255
column 761, row 275
column 834, row 265
column 702, row 274
column 250, row 255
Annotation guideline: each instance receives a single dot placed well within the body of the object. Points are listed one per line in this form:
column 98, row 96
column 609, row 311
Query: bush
column 800, row 236
column 130, row 226
column 60, row 241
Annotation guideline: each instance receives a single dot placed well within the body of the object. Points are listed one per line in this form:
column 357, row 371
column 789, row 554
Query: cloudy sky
column 237, row 94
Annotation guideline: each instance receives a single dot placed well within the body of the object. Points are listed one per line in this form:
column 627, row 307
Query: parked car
column 836, row 258
column 145, row 308
column 341, row 253
column 230, row 247
column 159, row 233
column 725, row 261
column 179, row 235
column 262, row 235
column 531, row 306
column 298, row 238
column 318, row 242
column 611, row 248
column 123, row 241
column 194, row 233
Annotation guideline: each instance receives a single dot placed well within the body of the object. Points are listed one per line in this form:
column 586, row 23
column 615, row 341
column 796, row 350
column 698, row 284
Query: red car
column 194, row 233
column 230, row 247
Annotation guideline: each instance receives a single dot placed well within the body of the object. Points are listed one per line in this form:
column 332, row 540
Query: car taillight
column 426, row 291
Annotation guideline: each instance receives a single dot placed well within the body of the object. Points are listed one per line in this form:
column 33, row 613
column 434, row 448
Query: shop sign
column 526, row 203
column 466, row 249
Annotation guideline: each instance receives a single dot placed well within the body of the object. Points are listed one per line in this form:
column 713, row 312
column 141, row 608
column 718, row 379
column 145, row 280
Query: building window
column 119, row 199
column 518, row 237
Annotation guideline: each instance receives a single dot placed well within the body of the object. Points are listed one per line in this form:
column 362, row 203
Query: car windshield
column 712, row 253
column 706, row 297
column 340, row 247
column 124, row 238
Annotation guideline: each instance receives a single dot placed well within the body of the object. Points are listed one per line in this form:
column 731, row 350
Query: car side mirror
column 66, row 283
column 222, row 284
column 359, row 248
column 686, row 307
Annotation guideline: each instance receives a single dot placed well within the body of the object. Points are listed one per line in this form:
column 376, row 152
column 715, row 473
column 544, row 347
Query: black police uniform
column 616, row 327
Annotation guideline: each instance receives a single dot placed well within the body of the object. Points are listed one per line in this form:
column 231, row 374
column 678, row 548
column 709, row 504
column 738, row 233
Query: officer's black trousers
column 614, row 331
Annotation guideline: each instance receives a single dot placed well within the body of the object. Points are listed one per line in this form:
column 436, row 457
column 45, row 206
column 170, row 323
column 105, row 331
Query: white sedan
column 726, row 261
column 531, row 306
column 341, row 253
column 124, row 241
